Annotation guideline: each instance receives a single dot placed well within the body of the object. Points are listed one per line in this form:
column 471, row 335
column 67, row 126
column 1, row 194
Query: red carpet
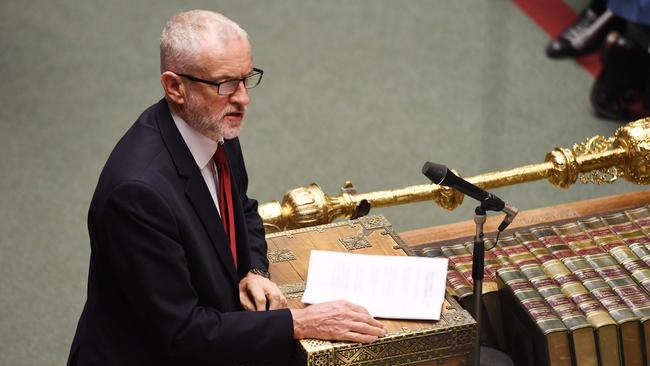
column 553, row 16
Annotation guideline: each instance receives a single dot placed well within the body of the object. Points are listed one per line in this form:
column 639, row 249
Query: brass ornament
column 596, row 160
column 565, row 171
column 594, row 145
column 352, row 243
column 634, row 139
column 448, row 198
column 280, row 255
column 370, row 223
column 293, row 290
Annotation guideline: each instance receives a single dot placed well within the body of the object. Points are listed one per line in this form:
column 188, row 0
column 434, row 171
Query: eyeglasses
column 228, row 87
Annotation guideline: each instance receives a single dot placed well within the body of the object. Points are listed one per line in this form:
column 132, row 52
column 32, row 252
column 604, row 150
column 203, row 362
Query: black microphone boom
column 441, row 175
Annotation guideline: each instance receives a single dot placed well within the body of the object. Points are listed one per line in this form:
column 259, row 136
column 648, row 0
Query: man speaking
column 178, row 268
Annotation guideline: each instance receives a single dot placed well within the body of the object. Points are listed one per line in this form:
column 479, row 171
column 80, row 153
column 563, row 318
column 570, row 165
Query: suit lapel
column 201, row 200
column 196, row 190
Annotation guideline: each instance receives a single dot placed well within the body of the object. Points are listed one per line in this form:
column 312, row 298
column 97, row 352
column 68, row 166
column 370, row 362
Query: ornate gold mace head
column 596, row 160
column 635, row 139
column 305, row 206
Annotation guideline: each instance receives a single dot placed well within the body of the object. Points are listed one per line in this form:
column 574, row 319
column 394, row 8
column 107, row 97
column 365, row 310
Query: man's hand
column 338, row 320
column 257, row 293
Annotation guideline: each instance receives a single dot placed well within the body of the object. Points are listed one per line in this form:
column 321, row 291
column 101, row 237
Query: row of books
column 570, row 294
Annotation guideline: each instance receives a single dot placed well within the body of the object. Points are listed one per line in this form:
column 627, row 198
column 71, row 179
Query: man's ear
column 173, row 87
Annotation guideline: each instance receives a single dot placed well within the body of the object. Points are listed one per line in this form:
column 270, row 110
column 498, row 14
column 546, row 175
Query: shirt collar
column 201, row 147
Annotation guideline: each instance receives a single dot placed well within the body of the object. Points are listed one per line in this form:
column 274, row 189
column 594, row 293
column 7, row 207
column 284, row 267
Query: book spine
column 580, row 271
column 640, row 245
column 496, row 252
column 601, row 265
column 452, row 274
column 457, row 283
column 642, row 251
column 532, row 269
column 603, row 235
column 462, row 263
column 461, row 257
column 627, row 225
column 626, row 228
column 541, row 313
column 641, row 217
column 490, row 262
column 568, row 284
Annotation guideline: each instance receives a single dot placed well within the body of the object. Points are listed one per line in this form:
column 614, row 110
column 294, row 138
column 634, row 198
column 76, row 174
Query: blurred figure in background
column 621, row 28
column 587, row 33
column 622, row 89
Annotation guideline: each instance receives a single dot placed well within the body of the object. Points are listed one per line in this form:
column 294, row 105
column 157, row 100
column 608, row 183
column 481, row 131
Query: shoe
column 584, row 35
column 621, row 83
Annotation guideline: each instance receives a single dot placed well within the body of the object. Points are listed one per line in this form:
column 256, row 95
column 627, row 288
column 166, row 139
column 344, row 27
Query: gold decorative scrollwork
column 593, row 145
column 374, row 222
column 280, row 255
column 601, row 176
column 433, row 344
column 355, row 242
column 293, row 290
column 597, row 145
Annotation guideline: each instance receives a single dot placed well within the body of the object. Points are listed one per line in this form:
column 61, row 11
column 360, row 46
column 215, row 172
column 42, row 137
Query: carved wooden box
column 448, row 341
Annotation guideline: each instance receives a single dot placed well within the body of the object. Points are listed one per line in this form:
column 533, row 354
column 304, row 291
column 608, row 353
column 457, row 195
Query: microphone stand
column 478, row 259
column 441, row 175
column 492, row 356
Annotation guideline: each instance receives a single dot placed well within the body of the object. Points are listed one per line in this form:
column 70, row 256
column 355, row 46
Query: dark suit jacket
column 162, row 286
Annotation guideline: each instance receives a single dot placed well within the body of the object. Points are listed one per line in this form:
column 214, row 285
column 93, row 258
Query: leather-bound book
column 491, row 300
column 457, row 285
column 536, row 334
column 642, row 251
column 641, row 217
column 491, row 262
column 630, row 331
column 609, row 241
column 618, row 279
column 627, row 225
column 581, row 333
column 460, row 257
column 604, row 326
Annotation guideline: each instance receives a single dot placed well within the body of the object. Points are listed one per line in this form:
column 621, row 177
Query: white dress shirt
column 202, row 149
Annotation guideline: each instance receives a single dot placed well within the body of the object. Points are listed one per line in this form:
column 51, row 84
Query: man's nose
column 240, row 95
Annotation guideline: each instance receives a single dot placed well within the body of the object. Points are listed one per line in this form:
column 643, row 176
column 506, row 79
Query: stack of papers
column 387, row 286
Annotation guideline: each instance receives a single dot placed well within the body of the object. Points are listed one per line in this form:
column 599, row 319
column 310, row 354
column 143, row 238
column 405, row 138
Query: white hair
column 181, row 38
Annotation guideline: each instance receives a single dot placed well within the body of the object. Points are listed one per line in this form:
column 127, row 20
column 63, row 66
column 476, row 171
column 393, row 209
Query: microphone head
column 435, row 172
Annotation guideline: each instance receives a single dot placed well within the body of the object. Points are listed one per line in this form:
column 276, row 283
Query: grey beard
column 213, row 127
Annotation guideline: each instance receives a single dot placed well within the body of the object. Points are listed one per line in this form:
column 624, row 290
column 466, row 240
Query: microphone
column 441, row 175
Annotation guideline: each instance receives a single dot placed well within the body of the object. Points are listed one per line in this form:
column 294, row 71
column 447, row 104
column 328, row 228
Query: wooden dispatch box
column 449, row 341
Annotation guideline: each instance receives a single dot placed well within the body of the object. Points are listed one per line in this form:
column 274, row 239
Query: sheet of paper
column 388, row 286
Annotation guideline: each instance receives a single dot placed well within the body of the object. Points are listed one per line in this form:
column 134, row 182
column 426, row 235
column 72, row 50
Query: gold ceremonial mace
column 597, row 160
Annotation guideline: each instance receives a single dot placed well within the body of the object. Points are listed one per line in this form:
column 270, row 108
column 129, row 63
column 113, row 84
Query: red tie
column 225, row 198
